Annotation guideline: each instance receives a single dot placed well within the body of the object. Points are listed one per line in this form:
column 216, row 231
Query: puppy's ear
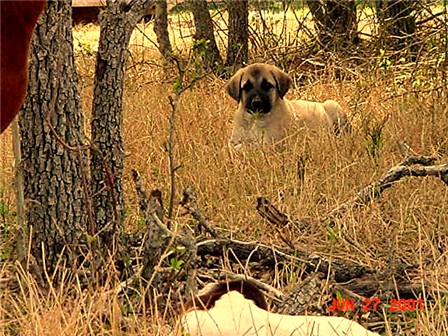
column 282, row 80
column 233, row 87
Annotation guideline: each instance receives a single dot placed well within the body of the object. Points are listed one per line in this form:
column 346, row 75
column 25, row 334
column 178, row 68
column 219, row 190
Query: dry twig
column 404, row 169
column 189, row 203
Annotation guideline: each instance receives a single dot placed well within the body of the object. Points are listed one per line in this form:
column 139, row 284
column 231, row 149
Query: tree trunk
column 161, row 28
column 335, row 22
column 205, row 43
column 237, row 48
column 117, row 23
column 51, row 121
column 397, row 22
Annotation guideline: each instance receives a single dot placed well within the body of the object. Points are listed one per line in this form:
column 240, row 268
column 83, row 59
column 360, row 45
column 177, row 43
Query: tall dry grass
column 408, row 223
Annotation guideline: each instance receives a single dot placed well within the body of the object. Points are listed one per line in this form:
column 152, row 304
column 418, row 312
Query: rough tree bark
column 117, row 23
column 161, row 28
column 204, row 36
column 397, row 21
column 335, row 22
column 237, row 48
column 51, row 121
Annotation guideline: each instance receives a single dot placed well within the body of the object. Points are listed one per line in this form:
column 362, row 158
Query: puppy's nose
column 257, row 104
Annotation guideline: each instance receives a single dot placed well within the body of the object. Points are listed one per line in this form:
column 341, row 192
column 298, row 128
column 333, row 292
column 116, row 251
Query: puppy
column 265, row 116
column 238, row 308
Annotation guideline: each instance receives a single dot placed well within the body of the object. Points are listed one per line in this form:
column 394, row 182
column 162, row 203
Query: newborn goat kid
column 238, row 308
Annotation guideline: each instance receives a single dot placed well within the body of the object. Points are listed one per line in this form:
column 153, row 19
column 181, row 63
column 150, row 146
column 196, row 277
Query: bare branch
column 273, row 215
column 369, row 193
column 189, row 203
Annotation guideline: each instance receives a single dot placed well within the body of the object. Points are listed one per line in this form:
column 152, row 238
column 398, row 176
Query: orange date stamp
column 371, row 304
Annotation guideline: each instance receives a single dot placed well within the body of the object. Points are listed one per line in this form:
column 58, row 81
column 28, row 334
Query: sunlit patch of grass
column 67, row 309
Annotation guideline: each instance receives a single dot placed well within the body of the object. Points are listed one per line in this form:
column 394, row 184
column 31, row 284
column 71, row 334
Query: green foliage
column 177, row 87
column 127, row 260
column 4, row 210
column 200, row 46
column 176, row 264
column 4, row 253
column 194, row 75
column 86, row 48
column 385, row 62
column 5, row 231
column 180, row 250
column 90, row 239
column 331, row 234
column 127, row 309
column 141, row 223
column 255, row 114
column 339, row 295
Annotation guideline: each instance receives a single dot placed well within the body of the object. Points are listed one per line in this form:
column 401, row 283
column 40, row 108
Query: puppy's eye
column 266, row 86
column 247, row 86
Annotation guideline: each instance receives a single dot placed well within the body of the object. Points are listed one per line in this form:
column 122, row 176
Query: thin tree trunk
column 51, row 121
column 204, row 36
column 161, row 28
column 335, row 22
column 117, row 23
column 397, row 22
column 237, row 48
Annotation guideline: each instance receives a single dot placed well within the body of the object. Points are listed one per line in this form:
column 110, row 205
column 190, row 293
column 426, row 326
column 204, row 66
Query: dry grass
column 409, row 222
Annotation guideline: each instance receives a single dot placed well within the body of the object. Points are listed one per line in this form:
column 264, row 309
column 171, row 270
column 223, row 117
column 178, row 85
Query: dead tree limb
column 366, row 195
column 425, row 167
column 277, row 257
column 158, row 238
column 269, row 212
column 404, row 169
column 190, row 204
column 273, row 215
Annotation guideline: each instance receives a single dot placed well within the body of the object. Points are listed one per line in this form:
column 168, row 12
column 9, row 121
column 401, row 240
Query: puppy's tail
column 342, row 125
column 339, row 117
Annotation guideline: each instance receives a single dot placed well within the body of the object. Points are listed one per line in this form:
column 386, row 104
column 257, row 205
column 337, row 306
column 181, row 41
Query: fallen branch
column 273, row 257
column 269, row 212
column 365, row 195
column 275, row 216
column 153, row 204
column 159, row 238
column 404, row 169
column 189, row 203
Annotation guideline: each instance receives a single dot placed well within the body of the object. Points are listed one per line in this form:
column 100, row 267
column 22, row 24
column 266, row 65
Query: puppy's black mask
column 258, row 99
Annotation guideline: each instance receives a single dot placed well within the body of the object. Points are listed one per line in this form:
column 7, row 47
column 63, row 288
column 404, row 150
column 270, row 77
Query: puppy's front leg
column 239, row 133
column 236, row 140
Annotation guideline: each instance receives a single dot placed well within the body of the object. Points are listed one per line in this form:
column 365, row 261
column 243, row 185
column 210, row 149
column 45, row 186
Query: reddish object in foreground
column 17, row 21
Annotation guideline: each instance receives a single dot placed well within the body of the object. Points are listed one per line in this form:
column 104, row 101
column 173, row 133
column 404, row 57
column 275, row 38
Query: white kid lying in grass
column 238, row 308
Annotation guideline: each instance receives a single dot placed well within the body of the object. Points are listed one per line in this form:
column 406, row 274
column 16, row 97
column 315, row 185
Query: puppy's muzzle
column 258, row 105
